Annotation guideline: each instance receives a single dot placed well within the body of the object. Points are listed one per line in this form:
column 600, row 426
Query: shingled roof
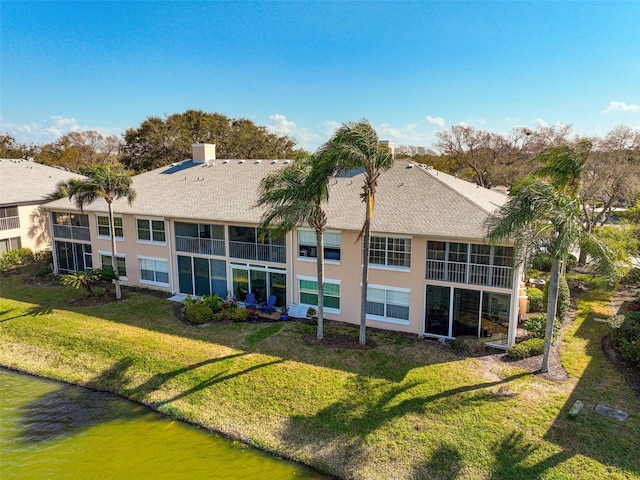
column 410, row 199
column 23, row 182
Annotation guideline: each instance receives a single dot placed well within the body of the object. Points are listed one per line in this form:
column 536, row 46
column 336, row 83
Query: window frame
column 155, row 260
column 330, row 281
column 388, row 253
column 107, row 226
column 119, row 256
column 311, row 246
column 387, row 319
column 151, row 240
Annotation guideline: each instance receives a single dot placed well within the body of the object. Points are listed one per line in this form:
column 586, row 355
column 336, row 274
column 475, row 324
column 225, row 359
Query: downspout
column 53, row 248
column 170, row 259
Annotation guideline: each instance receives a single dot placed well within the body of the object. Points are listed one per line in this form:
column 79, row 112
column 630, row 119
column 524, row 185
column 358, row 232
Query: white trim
column 391, row 235
column 144, row 257
column 314, row 259
column 396, row 321
column 388, row 287
column 315, row 279
column 151, row 282
column 375, row 266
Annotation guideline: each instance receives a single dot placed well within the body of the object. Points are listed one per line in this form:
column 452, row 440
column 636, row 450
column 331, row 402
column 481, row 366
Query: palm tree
column 295, row 196
column 102, row 181
column 548, row 212
column 356, row 145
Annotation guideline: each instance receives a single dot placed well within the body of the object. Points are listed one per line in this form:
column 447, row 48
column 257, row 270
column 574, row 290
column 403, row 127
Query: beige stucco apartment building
column 24, row 187
column 193, row 230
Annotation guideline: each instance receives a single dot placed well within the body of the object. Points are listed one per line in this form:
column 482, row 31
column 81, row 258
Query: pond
column 54, row 430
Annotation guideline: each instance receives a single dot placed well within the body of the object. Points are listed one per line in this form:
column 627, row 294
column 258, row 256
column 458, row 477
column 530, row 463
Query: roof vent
column 274, row 161
column 257, row 162
column 285, row 162
column 241, row 162
column 225, row 161
column 410, row 165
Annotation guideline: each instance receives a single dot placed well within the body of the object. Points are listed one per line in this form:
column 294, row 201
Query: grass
column 406, row 409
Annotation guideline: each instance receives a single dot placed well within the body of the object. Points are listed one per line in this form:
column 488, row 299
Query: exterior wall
column 33, row 230
column 347, row 271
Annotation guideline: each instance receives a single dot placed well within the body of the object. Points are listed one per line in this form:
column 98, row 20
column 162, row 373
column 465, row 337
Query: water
column 53, row 430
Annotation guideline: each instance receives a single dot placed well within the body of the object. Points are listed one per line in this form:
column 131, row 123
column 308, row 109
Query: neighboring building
column 193, row 230
column 24, row 187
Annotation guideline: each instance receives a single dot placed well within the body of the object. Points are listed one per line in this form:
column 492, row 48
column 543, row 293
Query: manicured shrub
column 528, row 348
column 564, row 298
column 232, row 314
column 468, row 343
column 13, row 258
column 535, row 299
column 536, row 325
column 198, row 313
column 632, row 277
column 81, row 279
column 214, row 302
column 624, row 331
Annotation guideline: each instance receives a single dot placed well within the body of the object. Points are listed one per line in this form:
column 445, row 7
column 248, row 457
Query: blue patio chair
column 250, row 301
column 270, row 305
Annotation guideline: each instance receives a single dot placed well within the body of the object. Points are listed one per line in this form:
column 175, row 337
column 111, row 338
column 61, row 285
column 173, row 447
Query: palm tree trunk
column 320, row 267
column 114, row 260
column 365, row 275
column 552, row 304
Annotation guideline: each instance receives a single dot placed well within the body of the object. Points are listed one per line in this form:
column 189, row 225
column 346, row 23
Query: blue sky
column 302, row 68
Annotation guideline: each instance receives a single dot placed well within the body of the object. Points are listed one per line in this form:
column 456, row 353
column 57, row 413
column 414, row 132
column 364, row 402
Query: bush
column 13, row 258
column 231, row 314
column 198, row 313
column 632, row 277
column 535, row 299
column 543, row 261
column 536, row 325
column 526, row 349
column 625, row 335
column 564, row 298
column 214, row 302
column 468, row 343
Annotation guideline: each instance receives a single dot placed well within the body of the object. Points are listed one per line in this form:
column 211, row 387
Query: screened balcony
column 245, row 243
column 201, row 238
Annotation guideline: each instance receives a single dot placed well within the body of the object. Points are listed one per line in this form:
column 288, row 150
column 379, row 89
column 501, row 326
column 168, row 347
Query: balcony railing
column 8, row 223
column 258, row 251
column 74, row 233
column 205, row 246
column 469, row 273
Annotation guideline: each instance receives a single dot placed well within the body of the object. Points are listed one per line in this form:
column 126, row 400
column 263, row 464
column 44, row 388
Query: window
column 308, row 246
column 390, row 252
column 153, row 270
column 458, row 252
column 107, row 262
column 73, row 257
column 151, row 230
column 309, row 293
column 388, row 304
column 9, row 218
column 103, row 226
column 71, row 225
column 10, row 244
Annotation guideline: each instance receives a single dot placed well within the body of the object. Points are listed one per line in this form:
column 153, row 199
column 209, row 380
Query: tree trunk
column 114, row 260
column 552, row 304
column 365, row 275
column 320, row 267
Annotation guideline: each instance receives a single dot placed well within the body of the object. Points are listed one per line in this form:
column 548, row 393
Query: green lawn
column 407, row 409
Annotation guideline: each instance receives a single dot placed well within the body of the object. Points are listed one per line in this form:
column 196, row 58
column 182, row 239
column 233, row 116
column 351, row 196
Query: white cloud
column 49, row 129
column 439, row 121
column 279, row 124
column 404, row 134
column 540, row 123
column 621, row 107
column 462, row 124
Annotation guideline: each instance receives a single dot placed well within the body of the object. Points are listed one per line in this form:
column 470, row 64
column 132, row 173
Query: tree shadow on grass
column 340, row 431
column 446, row 461
column 35, row 311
